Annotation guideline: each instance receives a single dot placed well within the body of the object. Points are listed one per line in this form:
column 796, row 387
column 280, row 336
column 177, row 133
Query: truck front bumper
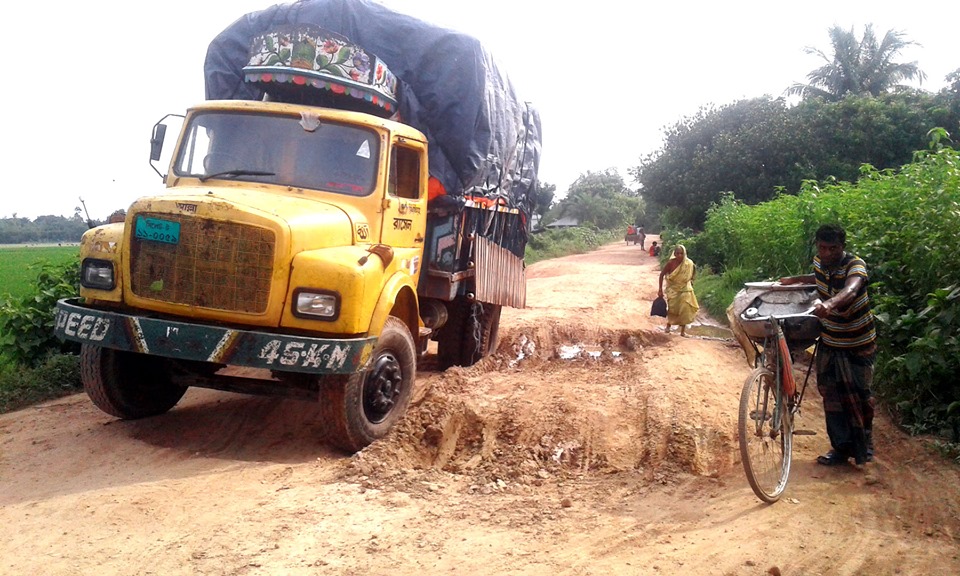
column 208, row 343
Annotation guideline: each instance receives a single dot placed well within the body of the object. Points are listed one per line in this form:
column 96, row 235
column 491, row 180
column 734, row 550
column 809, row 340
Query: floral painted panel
column 318, row 58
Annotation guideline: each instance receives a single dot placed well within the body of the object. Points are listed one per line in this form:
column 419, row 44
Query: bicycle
column 770, row 399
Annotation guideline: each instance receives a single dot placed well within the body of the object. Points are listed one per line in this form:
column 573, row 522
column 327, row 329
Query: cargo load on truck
column 485, row 140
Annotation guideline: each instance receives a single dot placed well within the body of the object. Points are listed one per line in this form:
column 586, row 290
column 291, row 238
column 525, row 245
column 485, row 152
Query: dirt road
column 620, row 460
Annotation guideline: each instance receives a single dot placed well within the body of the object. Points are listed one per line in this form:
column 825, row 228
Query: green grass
column 18, row 272
column 31, row 279
column 715, row 292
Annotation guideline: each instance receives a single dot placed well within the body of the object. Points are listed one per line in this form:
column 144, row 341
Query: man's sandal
column 832, row 458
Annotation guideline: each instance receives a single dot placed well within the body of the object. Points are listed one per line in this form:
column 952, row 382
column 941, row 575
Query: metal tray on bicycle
column 792, row 303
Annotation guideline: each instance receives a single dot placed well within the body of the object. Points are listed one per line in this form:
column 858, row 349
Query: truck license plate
column 158, row 230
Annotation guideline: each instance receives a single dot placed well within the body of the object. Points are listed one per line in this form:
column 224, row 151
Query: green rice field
column 18, row 265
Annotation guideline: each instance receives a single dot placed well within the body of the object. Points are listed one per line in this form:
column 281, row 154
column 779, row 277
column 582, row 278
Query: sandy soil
column 622, row 460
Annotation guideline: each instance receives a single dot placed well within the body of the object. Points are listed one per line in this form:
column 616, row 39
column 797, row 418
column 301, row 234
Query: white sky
column 85, row 81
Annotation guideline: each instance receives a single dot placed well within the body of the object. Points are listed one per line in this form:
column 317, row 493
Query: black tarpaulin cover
column 484, row 140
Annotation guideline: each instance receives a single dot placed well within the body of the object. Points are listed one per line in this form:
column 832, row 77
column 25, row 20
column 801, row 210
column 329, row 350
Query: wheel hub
column 382, row 387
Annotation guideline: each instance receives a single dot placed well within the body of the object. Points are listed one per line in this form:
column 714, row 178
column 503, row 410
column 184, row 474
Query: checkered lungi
column 844, row 378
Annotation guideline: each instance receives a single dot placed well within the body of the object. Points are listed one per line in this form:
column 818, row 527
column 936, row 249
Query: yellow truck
column 321, row 224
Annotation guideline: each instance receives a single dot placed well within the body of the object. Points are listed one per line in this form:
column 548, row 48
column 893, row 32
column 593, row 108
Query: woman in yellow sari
column 682, row 303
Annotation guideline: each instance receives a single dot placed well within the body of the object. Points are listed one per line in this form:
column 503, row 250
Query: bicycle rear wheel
column 766, row 435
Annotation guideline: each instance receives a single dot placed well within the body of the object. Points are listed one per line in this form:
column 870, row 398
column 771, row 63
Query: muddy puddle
column 709, row 331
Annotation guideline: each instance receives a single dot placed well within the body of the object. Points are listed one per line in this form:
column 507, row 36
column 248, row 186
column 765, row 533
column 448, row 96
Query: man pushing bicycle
column 847, row 349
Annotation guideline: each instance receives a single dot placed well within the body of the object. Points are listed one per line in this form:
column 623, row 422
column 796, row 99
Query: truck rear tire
column 464, row 341
column 489, row 330
column 362, row 407
column 126, row 384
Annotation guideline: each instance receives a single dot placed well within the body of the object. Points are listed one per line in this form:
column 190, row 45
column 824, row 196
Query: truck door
column 405, row 202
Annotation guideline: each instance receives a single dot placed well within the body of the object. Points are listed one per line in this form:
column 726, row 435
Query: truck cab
column 343, row 193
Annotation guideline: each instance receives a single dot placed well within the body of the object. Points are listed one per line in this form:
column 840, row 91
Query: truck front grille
column 214, row 264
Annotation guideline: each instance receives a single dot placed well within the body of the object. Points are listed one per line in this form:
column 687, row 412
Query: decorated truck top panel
column 485, row 140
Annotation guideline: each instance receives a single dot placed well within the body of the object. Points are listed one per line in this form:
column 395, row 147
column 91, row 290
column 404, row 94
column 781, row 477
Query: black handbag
column 659, row 307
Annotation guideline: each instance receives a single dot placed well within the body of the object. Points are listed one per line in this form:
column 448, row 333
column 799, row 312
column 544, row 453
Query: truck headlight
column 97, row 274
column 317, row 304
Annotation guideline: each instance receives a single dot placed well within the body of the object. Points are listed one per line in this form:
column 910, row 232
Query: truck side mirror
column 156, row 141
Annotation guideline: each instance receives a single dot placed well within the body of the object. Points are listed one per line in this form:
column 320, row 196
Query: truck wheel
column 450, row 338
column 363, row 407
column 489, row 330
column 126, row 384
column 464, row 341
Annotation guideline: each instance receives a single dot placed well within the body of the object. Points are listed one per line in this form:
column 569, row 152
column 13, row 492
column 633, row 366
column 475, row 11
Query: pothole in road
column 526, row 348
column 610, row 346
column 592, row 351
column 544, row 408
column 562, row 343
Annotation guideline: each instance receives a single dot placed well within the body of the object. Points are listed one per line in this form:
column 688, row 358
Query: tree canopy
column 601, row 199
column 42, row 229
column 545, row 196
column 758, row 148
column 750, row 147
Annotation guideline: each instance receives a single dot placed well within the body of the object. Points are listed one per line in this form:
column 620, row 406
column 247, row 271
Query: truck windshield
column 283, row 150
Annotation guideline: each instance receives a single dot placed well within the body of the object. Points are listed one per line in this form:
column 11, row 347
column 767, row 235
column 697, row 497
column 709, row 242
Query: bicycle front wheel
column 766, row 435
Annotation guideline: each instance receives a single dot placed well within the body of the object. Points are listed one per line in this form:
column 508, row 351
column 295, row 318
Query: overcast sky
column 85, row 82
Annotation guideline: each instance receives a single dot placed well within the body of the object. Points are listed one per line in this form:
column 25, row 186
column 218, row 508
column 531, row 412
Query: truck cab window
column 276, row 149
column 405, row 172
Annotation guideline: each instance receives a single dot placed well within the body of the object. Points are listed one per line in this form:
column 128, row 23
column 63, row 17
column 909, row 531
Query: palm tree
column 858, row 67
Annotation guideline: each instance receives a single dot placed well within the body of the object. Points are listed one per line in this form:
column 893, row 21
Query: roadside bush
column 922, row 350
column 27, row 322
column 771, row 239
column 58, row 375
column 904, row 225
column 715, row 292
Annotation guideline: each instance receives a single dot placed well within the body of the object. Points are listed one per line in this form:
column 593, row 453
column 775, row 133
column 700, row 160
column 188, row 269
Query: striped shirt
column 852, row 328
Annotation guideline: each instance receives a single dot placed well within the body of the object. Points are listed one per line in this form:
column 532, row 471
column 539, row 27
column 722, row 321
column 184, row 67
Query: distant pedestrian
column 641, row 235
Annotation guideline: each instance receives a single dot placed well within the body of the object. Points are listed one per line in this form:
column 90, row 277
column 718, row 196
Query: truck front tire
column 126, row 384
column 362, row 407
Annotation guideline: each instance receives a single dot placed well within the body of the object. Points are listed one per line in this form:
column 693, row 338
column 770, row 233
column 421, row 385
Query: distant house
column 565, row 222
